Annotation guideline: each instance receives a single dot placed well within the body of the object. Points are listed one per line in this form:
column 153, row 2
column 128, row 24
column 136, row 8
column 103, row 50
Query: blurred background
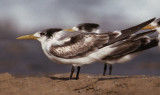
column 25, row 57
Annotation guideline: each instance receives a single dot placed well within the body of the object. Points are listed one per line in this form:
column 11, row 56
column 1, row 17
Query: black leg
column 78, row 70
column 72, row 71
column 110, row 69
column 104, row 70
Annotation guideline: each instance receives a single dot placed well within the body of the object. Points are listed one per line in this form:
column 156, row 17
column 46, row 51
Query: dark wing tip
column 153, row 18
column 140, row 26
column 129, row 31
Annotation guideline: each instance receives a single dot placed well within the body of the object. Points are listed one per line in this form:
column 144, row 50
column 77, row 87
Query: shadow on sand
column 60, row 78
column 110, row 78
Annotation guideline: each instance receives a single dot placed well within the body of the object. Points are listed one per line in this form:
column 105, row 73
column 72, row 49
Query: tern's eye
column 42, row 34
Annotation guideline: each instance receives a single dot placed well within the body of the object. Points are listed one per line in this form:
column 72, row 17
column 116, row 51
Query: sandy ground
column 58, row 84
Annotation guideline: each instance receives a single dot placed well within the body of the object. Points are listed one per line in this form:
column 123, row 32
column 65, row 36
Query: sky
column 110, row 14
column 19, row 17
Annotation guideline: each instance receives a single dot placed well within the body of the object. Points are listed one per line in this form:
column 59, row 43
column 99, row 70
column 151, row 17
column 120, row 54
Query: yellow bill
column 27, row 37
column 148, row 27
column 70, row 30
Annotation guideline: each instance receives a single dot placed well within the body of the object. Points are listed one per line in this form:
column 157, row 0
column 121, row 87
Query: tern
column 76, row 48
column 123, row 56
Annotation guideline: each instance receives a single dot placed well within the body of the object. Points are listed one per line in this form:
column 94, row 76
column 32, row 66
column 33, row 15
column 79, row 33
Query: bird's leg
column 78, row 70
column 104, row 70
column 110, row 69
column 72, row 71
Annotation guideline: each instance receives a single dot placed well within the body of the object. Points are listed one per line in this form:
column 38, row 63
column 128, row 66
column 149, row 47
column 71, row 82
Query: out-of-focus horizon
column 19, row 17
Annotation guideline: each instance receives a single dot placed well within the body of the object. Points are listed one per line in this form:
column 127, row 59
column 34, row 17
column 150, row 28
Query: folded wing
column 80, row 45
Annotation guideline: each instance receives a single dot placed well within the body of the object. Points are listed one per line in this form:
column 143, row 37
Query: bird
column 132, row 48
column 123, row 57
column 154, row 25
column 94, row 28
column 76, row 48
column 153, row 42
column 87, row 27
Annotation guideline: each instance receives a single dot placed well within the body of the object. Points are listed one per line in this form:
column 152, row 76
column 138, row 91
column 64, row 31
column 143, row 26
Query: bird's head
column 87, row 27
column 42, row 35
column 153, row 25
column 52, row 36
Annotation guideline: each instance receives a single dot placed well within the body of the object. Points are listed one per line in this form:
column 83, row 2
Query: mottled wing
column 123, row 50
column 80, row 45
column 133, row 47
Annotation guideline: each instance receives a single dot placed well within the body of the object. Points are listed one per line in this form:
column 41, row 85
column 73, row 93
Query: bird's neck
column 46, row 48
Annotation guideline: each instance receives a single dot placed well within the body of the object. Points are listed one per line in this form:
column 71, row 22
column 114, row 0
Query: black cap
column 87, row 26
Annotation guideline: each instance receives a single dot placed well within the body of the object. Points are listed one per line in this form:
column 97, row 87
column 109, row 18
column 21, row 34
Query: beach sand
column 59, row 84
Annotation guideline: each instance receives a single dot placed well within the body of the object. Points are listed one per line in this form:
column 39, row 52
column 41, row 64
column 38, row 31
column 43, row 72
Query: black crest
column 49, row 32
column 87, row 26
